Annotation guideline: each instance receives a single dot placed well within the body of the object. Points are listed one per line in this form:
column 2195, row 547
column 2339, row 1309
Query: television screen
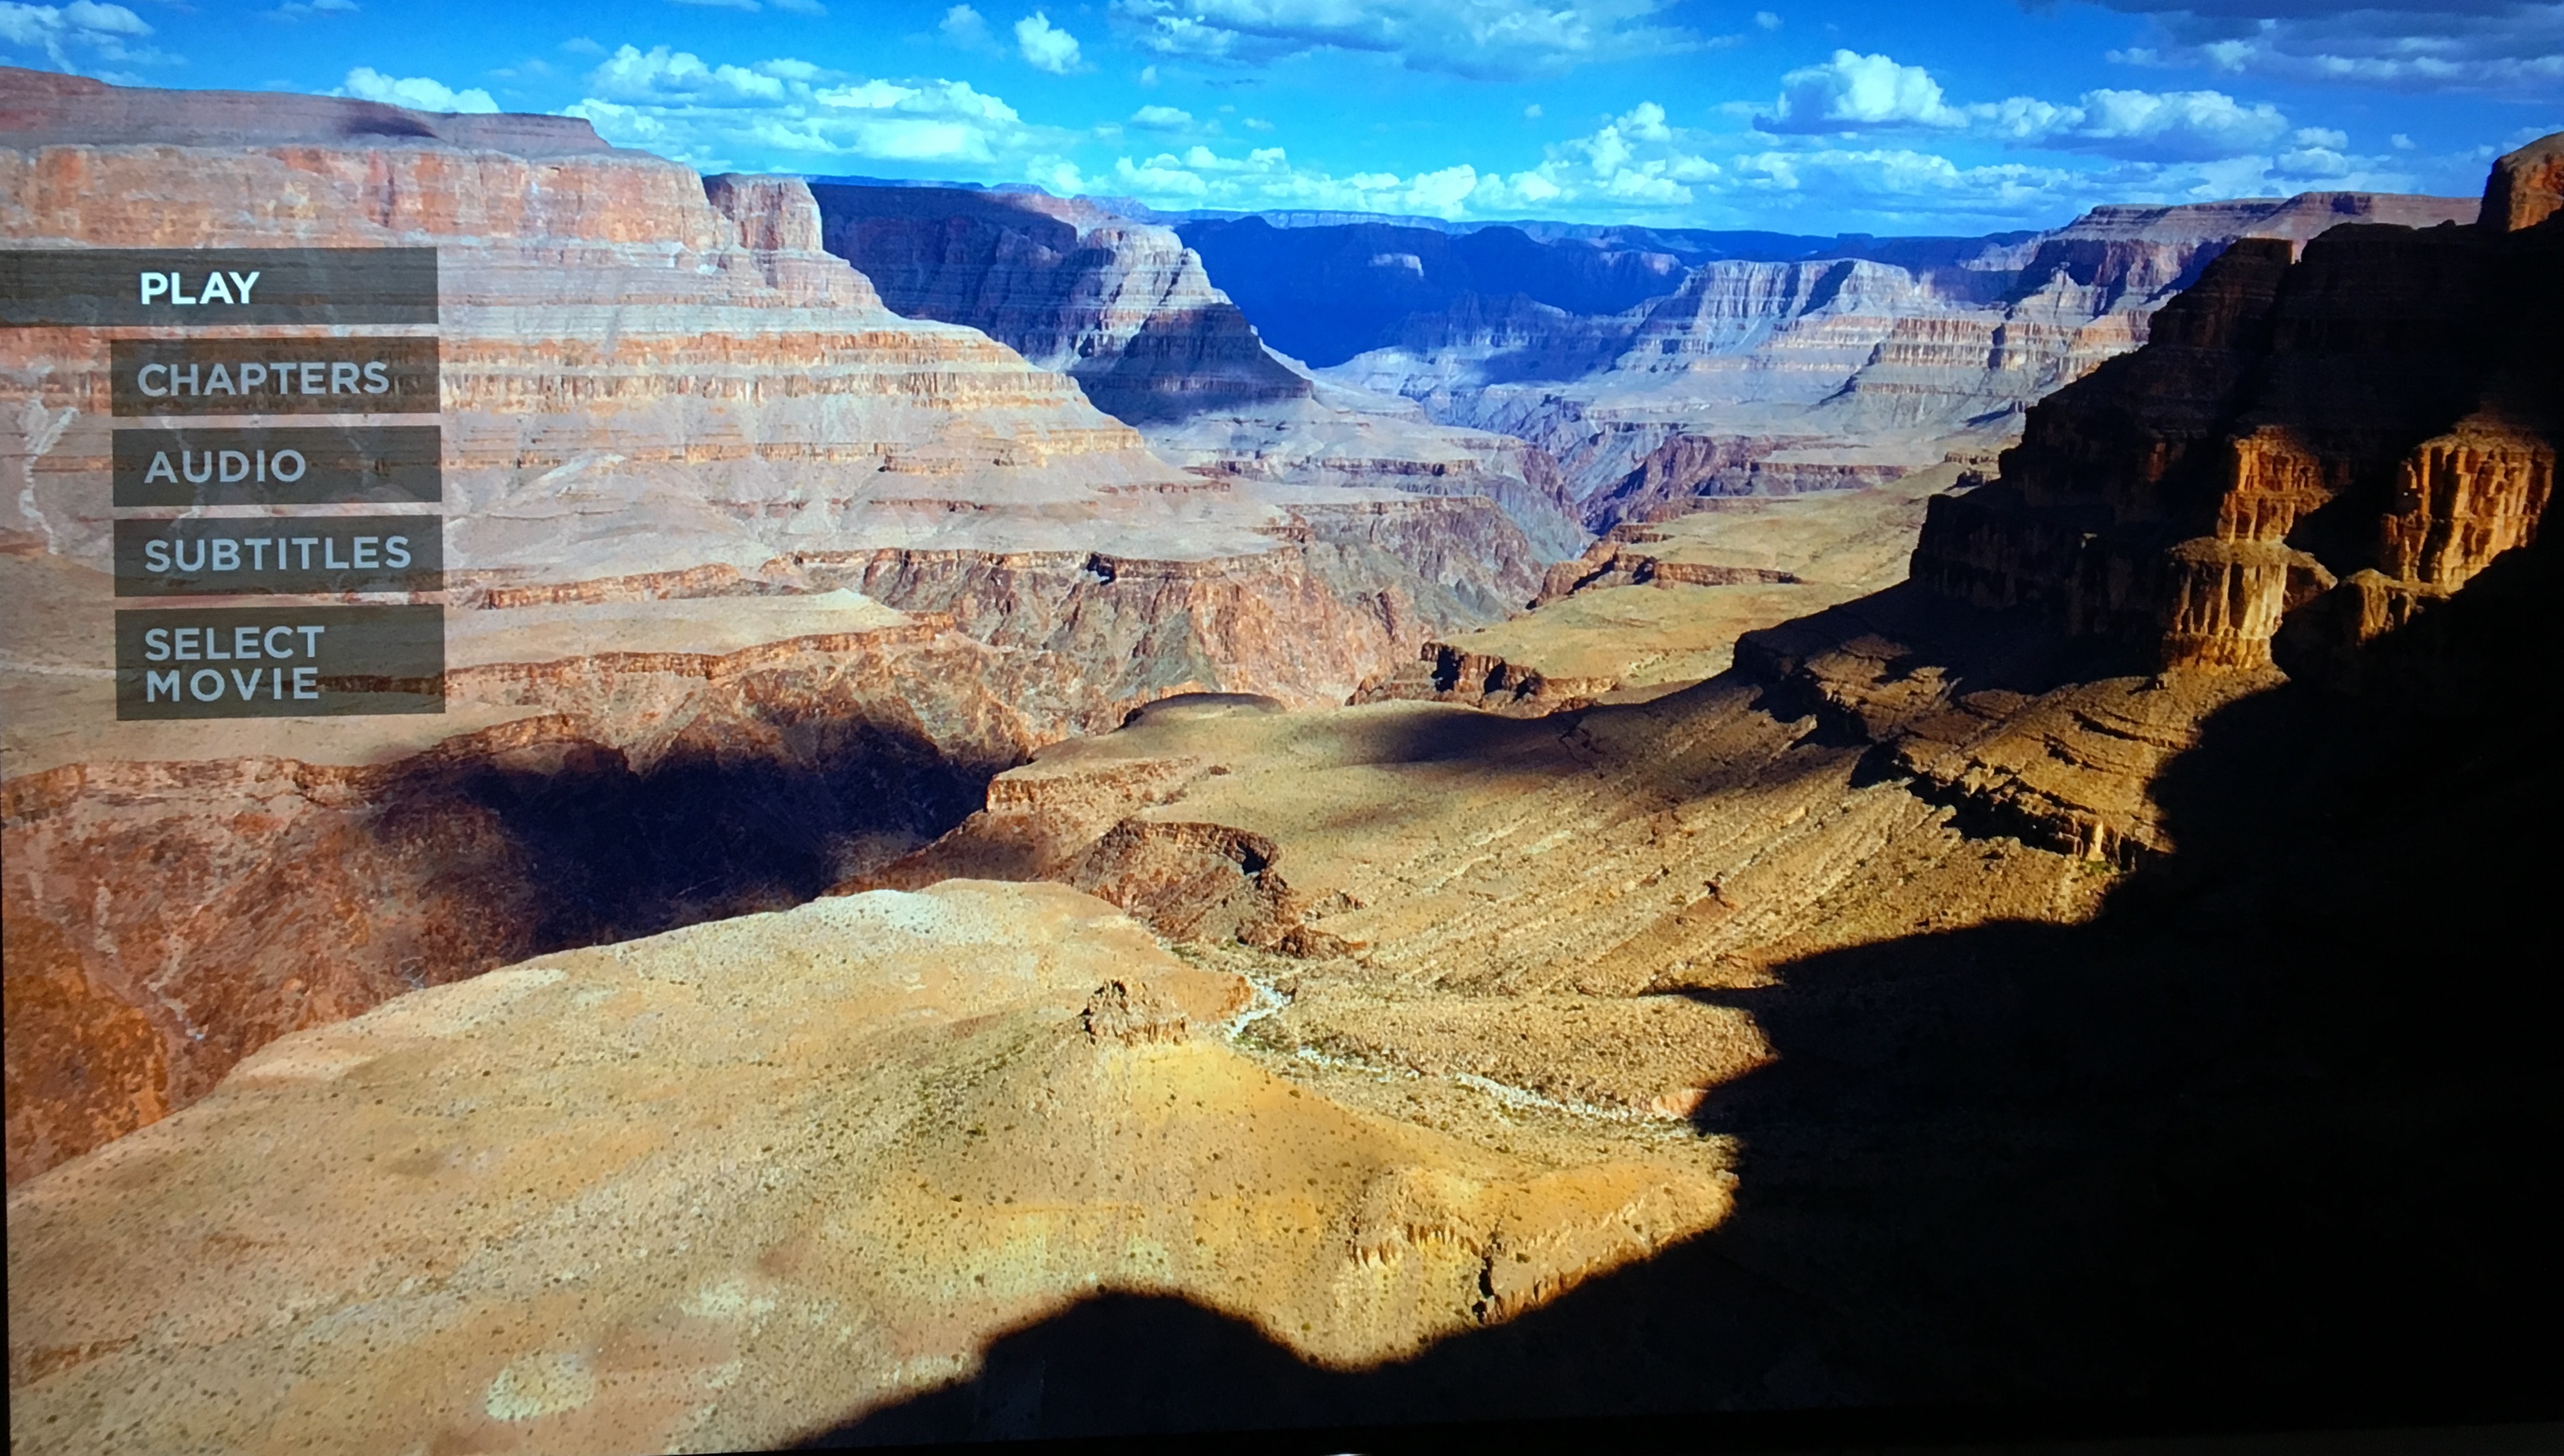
column 1279, row 725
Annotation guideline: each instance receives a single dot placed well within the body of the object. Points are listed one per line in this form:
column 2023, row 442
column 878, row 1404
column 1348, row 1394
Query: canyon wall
column 2329, row 440
column 1826, row 372
column 676, row 433
column 1126, row 311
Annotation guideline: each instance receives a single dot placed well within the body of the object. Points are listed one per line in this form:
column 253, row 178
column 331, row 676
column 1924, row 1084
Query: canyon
column 899, row 935
column 1759, row 364
column 1126, row 311
column 729, row 543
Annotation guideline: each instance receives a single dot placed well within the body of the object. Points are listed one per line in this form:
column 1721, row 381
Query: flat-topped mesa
column 1126, row 310
column 47, row 109
column 2335, row 437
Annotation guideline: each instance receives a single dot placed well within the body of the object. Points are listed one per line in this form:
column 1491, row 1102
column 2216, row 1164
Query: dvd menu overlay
column 215, row 500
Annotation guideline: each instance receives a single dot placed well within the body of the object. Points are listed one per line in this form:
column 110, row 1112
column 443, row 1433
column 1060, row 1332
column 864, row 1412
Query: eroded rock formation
column 1827, row 372
column 675, row 430
column 1126, row 310
column 2381, row 412
column 767, row 1175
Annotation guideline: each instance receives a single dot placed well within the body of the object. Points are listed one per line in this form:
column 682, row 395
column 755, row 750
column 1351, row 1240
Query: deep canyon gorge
column 1624, row 823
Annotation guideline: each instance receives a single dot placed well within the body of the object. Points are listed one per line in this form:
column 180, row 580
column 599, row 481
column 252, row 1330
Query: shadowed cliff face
column 168, row 918
column 1121, row 307
column 2333, row 443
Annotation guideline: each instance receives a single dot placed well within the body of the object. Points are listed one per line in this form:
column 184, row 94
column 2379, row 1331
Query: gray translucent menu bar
column 278, row 662
column 204, row 287
column 280, row 553
column 274, row 377
column 302, row 466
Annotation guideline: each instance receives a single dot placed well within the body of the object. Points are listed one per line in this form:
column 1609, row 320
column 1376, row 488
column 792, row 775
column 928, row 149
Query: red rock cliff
column 2336, row 439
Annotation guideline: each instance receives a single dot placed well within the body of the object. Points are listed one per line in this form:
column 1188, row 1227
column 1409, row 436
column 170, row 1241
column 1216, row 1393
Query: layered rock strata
column 1126, row 310
column 1655, row 607
column 2345, row 435
column 1830, row 372
column 675, row 428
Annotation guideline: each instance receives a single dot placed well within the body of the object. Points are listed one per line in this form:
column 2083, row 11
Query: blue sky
column 1926, row 115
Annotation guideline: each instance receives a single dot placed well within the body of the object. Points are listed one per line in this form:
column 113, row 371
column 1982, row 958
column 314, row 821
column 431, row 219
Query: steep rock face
column 1126, row 311
column 1122, row 308
column 666, row 410
column 1851, row 361
column 2527, row 186
column 602, row 772
column 2383, row 405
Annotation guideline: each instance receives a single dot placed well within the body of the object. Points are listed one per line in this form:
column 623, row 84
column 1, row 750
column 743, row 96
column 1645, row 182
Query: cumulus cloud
column 418, row 93
column 82, row 30
column 1162, row 118
column 1853, row 93
column 2184, row 125
column 1044, row 46
column 307, row 9
column 790, row 114
column 1473, row 38
column 2501, row 46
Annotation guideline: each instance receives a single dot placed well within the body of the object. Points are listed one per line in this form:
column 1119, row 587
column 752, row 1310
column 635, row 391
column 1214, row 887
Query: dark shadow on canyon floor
column 605, row 852
column 2266, row 1142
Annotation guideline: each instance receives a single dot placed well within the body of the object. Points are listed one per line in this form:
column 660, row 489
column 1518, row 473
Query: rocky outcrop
column 2381, row 405
column 2527, row 186
column 1122, row 308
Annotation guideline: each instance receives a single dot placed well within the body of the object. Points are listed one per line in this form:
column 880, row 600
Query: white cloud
column 966, row 28
column 1474, row 38
column 1532, row 112
column 2182, row 125
column 1162, row 118
column 1045, row 47
column 418, row 93
column 2501, row 46
column 83, row 28
column 305, row 9
column 790, row 114
column 1766, row 20
column 1853, row 93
